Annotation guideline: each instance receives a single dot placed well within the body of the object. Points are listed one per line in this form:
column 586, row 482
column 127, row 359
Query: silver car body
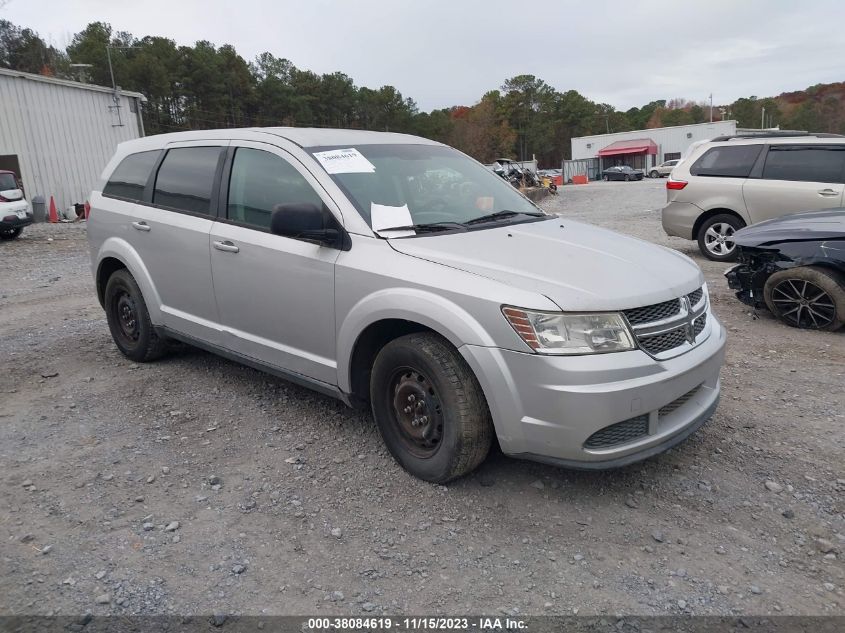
column 663, row 169
column 299, row 310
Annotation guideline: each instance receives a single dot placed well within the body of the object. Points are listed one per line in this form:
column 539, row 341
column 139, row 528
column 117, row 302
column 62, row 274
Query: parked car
column 14, row 209
column 794, row 266
column 732, row 182
column 663, row 169
column 622, row 172
column 330, row 258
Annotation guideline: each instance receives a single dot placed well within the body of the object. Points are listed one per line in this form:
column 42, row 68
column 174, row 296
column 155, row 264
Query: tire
column 822, row 292
column 714, row 237
column 129, row 320
column 627, row 178
column 654, row 174
column 11, row 233
column 606, row 178
column 429, row 408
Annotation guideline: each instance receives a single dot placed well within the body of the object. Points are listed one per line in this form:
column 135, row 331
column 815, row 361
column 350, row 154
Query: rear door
column 796, row 178
column 171, row 234
column 275, row 294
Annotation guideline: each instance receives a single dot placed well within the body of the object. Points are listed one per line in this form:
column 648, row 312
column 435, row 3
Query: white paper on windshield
column 345, row 161
column 383, row 217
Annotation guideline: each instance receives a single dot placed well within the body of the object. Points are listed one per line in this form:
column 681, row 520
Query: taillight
column 675, row 184
column 2, row 199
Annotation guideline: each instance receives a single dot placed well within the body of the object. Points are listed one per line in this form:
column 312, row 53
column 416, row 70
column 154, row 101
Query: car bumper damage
column 598, row 411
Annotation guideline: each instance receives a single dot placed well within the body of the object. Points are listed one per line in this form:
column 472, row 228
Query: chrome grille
column 619, row 433
column 656, row 312
column 669, row 328
column 678, row 403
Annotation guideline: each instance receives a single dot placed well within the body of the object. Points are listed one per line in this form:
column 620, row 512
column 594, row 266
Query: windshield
column 7, row 181
column 410, row 185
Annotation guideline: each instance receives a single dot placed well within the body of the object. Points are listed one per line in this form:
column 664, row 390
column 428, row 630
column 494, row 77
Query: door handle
column 828, row 193
column 226, row 246
column 141, row 226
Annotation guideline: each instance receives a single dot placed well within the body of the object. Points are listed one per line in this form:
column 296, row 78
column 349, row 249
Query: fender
column 410, row 304
column 121, row 250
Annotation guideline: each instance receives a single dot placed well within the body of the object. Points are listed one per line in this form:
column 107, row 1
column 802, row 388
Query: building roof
column 651, row 130
column 634, row 146
column 67, row 83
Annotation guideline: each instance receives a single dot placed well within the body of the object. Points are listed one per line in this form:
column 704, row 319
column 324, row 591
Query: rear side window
column 185, row 179
column 728, row 161
column 808, row 163
column 260, row 181
column 130, row 177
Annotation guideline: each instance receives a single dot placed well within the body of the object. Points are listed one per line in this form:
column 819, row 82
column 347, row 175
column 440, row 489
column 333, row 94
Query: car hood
column 815, row 225
column 576, row 265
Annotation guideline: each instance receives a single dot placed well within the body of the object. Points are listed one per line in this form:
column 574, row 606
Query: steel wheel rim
column 417, row 411
column 718, row 239
column 803, row 304
column 126, row 315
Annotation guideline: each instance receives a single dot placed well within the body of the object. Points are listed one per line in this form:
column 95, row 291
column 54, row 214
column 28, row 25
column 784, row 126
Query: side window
column 129, row 178
column 259, row 182
column 186, row 179
column 728, row 161
column 808, row 163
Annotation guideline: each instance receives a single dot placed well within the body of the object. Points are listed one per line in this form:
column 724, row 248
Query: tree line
column 206, row 86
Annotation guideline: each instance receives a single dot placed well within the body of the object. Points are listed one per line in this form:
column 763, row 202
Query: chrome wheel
column 803, row 304
column 718, row 239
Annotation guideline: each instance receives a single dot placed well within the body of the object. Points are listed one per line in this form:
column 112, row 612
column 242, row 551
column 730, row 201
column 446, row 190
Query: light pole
column 115, row 96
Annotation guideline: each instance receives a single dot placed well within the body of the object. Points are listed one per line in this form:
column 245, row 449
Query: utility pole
column 763, row 118
column 711, row 107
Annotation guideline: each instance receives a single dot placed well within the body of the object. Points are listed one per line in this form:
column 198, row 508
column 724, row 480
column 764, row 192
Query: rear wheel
column 10, row 234
column 807, row 297
column 715, row 237
column 606, row 178
column 129, row 320
column 654, row 174
column 429, row 408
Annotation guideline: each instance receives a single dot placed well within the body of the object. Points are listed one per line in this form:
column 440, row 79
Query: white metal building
column 58, row 135
column 645, row 148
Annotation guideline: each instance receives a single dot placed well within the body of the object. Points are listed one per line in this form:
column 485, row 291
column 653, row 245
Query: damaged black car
column 795, row 267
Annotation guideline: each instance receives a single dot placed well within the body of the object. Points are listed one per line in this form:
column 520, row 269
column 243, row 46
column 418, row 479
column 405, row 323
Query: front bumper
column 546, row 408
column 13, row 221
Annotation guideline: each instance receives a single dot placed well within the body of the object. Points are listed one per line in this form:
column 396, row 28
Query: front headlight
column 558, row 333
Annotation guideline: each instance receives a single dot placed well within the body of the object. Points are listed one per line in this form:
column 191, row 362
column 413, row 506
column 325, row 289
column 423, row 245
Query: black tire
column 807, row 297
column 129, row 319
column 723, row 225
column 627, row 178
column 11, row 233
column 606, row 178
column 443, row 429
column 654, row 174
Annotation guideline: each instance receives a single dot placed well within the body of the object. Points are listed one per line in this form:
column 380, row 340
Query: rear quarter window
column 807, row 163
column 130, row 177
column 727, row 161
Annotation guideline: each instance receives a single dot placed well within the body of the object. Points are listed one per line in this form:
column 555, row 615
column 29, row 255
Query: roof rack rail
column 778, row 134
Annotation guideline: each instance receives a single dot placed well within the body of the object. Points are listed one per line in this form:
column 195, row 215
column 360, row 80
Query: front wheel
column 807, row 297
column 10, row 234
column 606, row 178
column 716, row 237
column 429, row 408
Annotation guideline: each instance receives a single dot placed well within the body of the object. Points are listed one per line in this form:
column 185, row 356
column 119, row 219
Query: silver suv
column 732, row 182
column 396, row 273
column 663, row 169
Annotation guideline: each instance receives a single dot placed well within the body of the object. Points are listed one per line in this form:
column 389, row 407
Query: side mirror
column 304, row 221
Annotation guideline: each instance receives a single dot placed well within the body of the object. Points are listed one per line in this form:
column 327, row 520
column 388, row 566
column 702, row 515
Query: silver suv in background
column 663, row 169
column 396, row 273
column 732, row 182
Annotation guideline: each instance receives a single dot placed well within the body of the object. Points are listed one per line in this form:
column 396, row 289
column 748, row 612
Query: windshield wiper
column 501, row 215
column 425, row 228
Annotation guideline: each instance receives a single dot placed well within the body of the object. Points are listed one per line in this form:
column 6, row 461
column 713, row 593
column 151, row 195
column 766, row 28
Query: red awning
column 636, row 146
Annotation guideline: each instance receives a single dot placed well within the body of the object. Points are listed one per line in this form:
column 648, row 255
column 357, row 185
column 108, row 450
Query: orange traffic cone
column 54, row 215
column 87, row 209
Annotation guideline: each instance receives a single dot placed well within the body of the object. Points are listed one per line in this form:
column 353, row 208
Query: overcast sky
column 449, row 52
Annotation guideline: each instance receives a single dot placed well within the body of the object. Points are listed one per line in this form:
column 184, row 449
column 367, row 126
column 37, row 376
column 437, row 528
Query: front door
column 796, row 178
column 275, row 295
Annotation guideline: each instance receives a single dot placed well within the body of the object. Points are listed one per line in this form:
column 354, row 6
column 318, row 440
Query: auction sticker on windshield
column 344, row 161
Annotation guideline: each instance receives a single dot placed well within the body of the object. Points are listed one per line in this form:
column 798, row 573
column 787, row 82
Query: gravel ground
column 193, row 485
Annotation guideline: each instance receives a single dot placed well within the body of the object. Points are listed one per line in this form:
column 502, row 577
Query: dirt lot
column 193, row 485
